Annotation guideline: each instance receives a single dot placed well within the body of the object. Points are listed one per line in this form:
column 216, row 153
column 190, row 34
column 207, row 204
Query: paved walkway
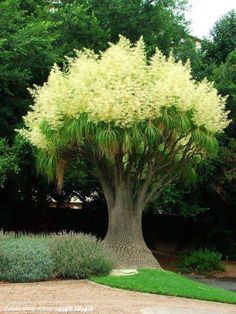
column 47, row 297
column 223, row 283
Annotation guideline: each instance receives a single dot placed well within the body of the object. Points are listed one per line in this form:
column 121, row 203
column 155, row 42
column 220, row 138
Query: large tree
column 139, row 125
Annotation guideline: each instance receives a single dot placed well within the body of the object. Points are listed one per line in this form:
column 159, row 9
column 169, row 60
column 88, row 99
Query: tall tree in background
column 221, row 51
column 223, row 39
column 78, row 27
column 224, row 77
column 161, row 23
column 27, row 53
column 217, row 178
column 139, row 125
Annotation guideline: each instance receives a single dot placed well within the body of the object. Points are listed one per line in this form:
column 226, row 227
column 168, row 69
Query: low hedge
column 27, row 258
column 201, row 262
column 79, row 256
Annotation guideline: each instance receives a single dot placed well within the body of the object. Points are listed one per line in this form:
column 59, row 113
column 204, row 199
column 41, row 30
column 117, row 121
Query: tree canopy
column 120, row 89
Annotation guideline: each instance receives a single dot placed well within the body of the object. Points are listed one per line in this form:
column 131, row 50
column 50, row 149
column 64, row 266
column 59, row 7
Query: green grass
column 167, row 283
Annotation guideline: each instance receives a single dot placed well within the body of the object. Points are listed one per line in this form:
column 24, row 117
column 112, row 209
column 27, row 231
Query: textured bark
column 125, row 239
column 124, row 236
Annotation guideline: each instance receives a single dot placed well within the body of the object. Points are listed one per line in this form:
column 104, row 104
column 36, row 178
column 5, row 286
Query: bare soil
column 103, row 299
column 230, row 271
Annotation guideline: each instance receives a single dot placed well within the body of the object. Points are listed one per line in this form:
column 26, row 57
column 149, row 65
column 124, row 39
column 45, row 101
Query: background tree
column 8, row 162
column 222, row 40
column 27, row 53
column 161, row 23
column 222, row 176
column 216, row 177
column 140, row 125
column 187, row 50
column 222, row 71
column 78, row 27
column 224, row 78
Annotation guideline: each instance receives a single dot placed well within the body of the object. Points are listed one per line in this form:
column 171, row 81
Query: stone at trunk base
column 123, row 272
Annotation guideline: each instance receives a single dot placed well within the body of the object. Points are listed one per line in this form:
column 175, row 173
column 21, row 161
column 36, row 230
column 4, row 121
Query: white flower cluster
column 120, row 87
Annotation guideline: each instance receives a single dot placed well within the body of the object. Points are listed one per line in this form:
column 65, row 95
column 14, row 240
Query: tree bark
column 125, row 239
column 124, row 235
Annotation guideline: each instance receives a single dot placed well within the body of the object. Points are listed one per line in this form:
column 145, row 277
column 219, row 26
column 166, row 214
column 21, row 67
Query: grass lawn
column 167, row 283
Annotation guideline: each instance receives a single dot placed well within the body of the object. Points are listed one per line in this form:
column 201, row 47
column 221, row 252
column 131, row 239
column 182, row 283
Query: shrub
column 79, row 256
column 201, row 261
column 35, row 258
column 25, row 259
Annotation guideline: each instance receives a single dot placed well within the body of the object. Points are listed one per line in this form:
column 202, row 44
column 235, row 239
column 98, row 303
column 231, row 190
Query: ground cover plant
column 167, row 283
column 26, row 258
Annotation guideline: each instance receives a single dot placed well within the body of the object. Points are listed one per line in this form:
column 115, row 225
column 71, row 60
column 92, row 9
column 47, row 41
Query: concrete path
column 168, row 309
column 223, row 283
column 77, row 296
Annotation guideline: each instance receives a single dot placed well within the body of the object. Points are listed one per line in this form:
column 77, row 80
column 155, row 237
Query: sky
column 204, row 13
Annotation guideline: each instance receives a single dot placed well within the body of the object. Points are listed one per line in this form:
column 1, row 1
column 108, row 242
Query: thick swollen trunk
column 125, row 239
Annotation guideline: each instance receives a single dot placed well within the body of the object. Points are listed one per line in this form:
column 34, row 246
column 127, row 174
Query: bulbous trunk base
column 125, row 240
column 130, row 255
